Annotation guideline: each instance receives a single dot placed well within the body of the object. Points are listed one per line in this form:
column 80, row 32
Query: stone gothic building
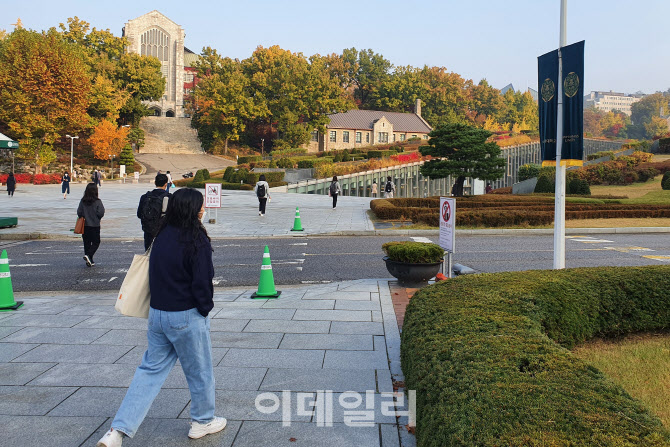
column 153, row 34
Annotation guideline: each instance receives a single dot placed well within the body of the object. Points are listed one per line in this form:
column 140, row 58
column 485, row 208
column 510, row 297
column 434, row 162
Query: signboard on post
column 212, row 195
column 448, row 224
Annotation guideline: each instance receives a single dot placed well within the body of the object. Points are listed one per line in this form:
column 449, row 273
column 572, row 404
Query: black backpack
column 333, row 189
column 260, row 191
column 389, row 186
column 151, row 213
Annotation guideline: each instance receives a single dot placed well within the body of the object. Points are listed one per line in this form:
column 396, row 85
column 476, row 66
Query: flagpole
column 559, row 193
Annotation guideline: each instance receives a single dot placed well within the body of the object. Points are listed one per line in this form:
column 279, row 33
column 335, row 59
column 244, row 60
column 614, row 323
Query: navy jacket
column 180, row 278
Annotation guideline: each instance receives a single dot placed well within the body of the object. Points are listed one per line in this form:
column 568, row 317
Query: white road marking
column 112, row 278
column 299, row 269
column 121, row 271
column 301, row 243
column 657, row 258
column 422, row 239
column 217, row 280
column 26, row 265
column 315, row 282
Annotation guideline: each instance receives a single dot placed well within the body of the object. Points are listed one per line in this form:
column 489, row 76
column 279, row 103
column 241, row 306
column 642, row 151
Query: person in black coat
column 91, row 209
column 11, row 184
column 150, row 223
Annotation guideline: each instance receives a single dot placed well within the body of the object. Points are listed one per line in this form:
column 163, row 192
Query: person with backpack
column 92, row 210
column 152, row 208
column 334, row 190
column 262, row 190
column 389, row 188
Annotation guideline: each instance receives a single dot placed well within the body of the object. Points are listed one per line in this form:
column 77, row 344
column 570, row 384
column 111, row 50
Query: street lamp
column 111, row 160
column 71, row 151
column 262, row 145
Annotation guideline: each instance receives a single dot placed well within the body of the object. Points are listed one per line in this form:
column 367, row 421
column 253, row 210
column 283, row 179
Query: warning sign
column 212, row 195
column 448, row 224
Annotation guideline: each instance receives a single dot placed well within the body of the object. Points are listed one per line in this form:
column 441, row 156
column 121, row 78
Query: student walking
column 92, row 210
column 152, row 208
column 334, row 190
column 97, row 180
column 65, row 184
column 11, row 184
column 180, row 281
column 389, row 188
column 169, row 179
column 374, row 188
column 262, row 190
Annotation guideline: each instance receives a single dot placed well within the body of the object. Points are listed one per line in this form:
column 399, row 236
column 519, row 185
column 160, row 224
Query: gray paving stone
column 31, row 431
column 357, row 327
column 298, row 379
column 378, row 408
column 74, row 354
column 31, row 400
column 170, row 433
column 390, row 437
column 351, row 296
column 134, row 356
column 227, row 325
column 384, row 381
column 288, row 327
column 43, row 308
column 63, row 336
column 227, row 296
column 119, row 322
column 105, row 311
column 355, row 360
column 333, row 315
column 377, row 316
column 241, row 405
column 273, row 434
column 363, row 286
column 71, row 374
column 226, row 378
column 327, row 341
column 273, row 358
column 21, row 373
column 5, row 331
column 10, row 351
column 123, row 337
column 299, row 304
column 256, row 314
column 24, row 320
column 357, row 305
column 95, row 401
column 380, row 343
column 245, row 340
column 242, row 304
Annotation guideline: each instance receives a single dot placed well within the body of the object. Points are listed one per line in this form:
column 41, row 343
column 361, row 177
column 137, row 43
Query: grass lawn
column 633, row 191
column 639, row 364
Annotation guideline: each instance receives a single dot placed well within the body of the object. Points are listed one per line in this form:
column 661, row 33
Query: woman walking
column 262, row 189
column 11, row 184
column 65, row 182
column 374, row 188
column 92, row 210
column 334, row 190
column 180, row 280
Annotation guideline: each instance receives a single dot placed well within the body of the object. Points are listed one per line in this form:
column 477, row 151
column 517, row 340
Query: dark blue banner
column 547, row 77
column 573, row 104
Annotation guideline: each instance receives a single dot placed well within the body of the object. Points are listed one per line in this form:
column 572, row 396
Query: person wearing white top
column 262, row 190
column 169, row 183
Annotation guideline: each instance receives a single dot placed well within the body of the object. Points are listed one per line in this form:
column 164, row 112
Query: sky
column 626, row 42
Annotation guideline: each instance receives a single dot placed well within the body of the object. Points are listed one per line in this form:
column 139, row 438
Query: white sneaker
column 198, row 430
column 259, row 213
column 88, row 261
column 113, row 438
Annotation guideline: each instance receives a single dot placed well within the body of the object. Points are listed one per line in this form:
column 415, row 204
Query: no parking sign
column 448, row 224
column 212, row 195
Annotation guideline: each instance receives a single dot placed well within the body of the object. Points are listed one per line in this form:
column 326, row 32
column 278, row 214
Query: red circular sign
column 446, row 211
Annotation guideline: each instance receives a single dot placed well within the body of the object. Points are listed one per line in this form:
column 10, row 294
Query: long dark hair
column 261, row 178
column 334, row 178
column 90, row 194
column 182, row 212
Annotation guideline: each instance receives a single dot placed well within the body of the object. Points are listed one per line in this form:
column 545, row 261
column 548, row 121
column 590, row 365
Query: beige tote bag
column 135, row 296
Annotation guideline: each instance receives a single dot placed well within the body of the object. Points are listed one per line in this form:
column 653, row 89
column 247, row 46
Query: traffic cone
column 6, row 292
column 297, row 225
column 266, row 285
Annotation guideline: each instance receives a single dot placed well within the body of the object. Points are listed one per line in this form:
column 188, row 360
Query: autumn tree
column 367, row 70
column 141, row 77
column 44, row 91
column 643, row 112
column 463, row 151
column 108, row 139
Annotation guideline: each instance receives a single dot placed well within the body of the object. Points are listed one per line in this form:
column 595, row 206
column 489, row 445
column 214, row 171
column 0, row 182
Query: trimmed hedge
column 314, row 162
column 249, row 159
column 413, row 252
column 665, row 182
column 486, row 356
column 270, row 177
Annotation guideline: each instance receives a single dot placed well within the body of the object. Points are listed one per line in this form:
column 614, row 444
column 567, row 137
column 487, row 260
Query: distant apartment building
column 359, row 128
column 610, row 101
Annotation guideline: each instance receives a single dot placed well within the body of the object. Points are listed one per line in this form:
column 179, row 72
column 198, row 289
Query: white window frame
column 333, row 136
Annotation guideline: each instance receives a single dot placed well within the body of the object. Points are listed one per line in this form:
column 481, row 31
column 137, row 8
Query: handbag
column 135, row 296
column 79, row 226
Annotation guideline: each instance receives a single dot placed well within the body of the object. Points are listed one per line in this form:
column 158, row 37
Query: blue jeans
column 180, row 335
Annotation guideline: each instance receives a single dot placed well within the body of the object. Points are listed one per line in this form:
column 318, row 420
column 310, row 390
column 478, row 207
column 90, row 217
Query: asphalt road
column 55, row 265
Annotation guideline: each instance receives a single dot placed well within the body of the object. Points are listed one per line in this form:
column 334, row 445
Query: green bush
column 285, row 163
column 601, row 154
column 314, row 162
column 527, row 171
column 544, row 185
column 227, row 174
column 199, row 176
column 346, row 156
column 248, row 159
column 665, row 182
column 380, row 154
column 271, row 177
column 579, row 187
column 239, row 176
column 413, row 252
column 338, row 158
column 205, row 174
column 486, row 356
column 288, row 152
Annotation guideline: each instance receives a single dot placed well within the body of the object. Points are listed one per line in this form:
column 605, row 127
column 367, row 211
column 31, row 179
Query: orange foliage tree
column 107, row 139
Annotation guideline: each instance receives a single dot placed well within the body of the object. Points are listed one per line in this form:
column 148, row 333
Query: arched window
column 155, row 42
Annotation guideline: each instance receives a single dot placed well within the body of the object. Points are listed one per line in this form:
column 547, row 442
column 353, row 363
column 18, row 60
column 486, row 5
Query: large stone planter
column 412, row 274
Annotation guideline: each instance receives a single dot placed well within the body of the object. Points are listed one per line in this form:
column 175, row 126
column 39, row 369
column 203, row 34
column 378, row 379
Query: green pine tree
column 462, row 151
column 127, row 158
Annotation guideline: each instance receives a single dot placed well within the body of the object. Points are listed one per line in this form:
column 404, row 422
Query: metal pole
column 559, row 193
column 71, row 154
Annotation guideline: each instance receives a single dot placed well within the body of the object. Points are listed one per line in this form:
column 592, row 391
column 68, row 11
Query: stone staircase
column 163, row 135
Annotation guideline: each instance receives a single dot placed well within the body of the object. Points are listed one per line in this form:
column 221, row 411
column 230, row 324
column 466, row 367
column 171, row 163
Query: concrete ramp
column 163, row 135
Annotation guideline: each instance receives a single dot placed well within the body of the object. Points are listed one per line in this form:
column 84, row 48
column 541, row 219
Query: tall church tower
column 153, row 34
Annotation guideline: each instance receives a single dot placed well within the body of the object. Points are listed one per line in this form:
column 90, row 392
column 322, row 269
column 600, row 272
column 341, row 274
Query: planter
column 412, row 274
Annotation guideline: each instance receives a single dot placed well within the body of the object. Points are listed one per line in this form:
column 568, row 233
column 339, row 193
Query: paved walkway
column 66, row 360
column 43, row 212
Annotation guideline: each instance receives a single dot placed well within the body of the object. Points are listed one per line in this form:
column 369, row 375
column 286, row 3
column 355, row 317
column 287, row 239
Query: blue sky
column 626, row 42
